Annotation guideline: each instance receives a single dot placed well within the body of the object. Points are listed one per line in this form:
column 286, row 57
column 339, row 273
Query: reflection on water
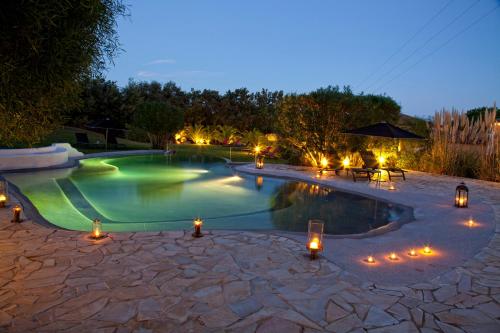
column 295, row 203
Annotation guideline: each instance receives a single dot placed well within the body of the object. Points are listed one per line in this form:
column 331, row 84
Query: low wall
column 32, row 158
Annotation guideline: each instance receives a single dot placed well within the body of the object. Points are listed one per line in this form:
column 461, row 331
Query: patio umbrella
column 384, row 130
column 106, row 124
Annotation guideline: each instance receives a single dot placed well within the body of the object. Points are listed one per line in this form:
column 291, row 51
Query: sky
column 427, row 55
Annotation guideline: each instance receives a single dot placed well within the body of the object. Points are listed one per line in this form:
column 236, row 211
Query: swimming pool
column 156, row 192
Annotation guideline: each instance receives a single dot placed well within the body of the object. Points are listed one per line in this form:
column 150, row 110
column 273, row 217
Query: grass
column 67, row 134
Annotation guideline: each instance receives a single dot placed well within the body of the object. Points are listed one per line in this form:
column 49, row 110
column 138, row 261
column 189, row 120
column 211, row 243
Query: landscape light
column 346, row 162
column 197, row 223
column 462, row 196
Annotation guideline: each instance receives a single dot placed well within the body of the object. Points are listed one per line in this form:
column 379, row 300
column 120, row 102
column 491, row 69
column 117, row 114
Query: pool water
column 156, row 192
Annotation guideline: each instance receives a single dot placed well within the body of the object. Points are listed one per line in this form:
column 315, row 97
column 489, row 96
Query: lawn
column 67, row 134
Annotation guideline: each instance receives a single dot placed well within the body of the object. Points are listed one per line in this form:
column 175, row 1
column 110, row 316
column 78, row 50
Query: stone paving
column 58, row 280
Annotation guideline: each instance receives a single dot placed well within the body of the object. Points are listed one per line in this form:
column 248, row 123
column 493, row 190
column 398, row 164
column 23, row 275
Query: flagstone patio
column 58, row 280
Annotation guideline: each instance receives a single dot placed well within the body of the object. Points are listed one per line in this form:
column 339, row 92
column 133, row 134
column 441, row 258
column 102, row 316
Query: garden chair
column 369, row 168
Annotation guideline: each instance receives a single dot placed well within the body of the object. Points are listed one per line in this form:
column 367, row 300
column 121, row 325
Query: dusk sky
column 425, row 54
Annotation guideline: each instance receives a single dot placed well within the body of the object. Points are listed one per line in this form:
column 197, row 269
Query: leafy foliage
column 160, row 120
column 47, row 48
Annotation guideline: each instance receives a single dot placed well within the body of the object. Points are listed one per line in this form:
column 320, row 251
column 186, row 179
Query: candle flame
column 370, row 259
column 412, row 252
column 427, row 250
column 3, row 197
column 346, row 162
column 314, row 244
column 393, row 256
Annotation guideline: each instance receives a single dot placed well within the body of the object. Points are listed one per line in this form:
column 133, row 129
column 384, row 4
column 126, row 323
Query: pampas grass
column 464, row 147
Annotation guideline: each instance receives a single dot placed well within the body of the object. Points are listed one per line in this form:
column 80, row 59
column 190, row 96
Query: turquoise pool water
column 155, row 192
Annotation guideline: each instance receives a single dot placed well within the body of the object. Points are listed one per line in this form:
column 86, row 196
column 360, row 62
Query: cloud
column 161, row 61
column 178, row 75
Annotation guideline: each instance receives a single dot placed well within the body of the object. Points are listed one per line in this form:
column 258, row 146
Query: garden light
column 346, row 162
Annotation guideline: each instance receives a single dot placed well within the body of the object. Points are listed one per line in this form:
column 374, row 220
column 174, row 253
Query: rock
column 334, row 312
column 245, row 307
column 405, row 326
column 377, row 317
column 276, row 325
column 120, row 312
column 218, row 318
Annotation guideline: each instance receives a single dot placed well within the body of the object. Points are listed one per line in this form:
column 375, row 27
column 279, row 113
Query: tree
column 160, row 120
column 48, row 47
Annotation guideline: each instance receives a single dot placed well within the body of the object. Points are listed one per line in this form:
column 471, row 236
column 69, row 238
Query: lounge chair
column 372, row 166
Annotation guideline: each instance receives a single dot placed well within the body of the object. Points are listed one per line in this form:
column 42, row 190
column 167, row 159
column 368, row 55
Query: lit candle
column 470, row 223
column 412, row 253
column 16, row 211
column 3, row 200
column 197, row 223
column 393, row 256
column 461, row 202
column 97, row 229
column 314, row 248
column 370, row 260
column 324, row 162
column 391, row 186
column 427, row 250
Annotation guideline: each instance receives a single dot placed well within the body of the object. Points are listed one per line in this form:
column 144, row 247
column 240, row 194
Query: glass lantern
column 259, row 162
column 197, row 223
column 97, row 229
column 462, row 196
column 4, row 190
column 315, row 238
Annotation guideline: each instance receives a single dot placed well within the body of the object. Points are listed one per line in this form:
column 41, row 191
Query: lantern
column 16, row 214
column 3, row 193
column 462, row 196
column 97, row 230
column 315, row 238
column 427, row 249
column 3, row 200
column 259, row 162
column 197, row 223
column 412, row 253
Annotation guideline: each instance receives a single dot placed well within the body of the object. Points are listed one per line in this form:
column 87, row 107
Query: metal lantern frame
column 462, row 196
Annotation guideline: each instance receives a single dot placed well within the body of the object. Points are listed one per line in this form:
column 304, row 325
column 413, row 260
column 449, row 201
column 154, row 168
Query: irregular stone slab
column 334, row 312
column 120, row 312
column 377, row 317
column 245, row 307
column 405, row 326
column 275, row 325
column 221, row 317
